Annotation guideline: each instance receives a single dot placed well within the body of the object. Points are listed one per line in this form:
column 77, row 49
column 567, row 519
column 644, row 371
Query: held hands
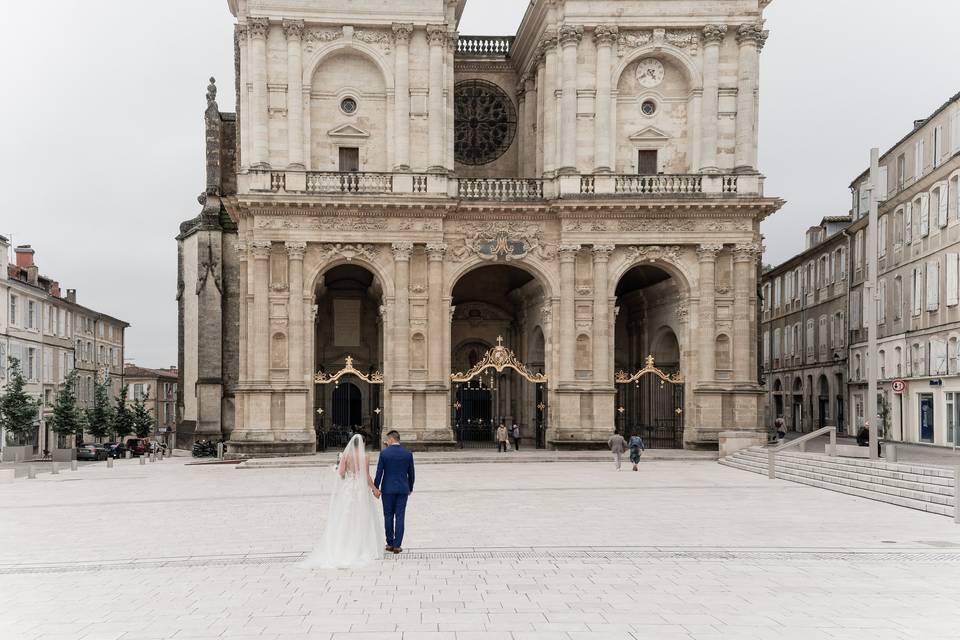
column 376, row 493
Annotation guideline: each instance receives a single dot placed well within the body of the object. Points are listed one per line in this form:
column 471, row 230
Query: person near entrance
column 502, row 438
column 515, row 435
column 636, row 448
column 617, row 446
column 780, row 428
column 394, row 480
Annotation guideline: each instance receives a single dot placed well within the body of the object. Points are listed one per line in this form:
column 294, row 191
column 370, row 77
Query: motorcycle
column 204, row 449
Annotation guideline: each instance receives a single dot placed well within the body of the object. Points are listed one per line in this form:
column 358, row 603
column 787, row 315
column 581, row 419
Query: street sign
column 936, row 382
column 899, row 386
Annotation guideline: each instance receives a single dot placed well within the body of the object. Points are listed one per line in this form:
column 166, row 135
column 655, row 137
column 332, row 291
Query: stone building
column 918, row 300
column 50, row 334
column 804, row 335
column 158, row 389
column 534, row 212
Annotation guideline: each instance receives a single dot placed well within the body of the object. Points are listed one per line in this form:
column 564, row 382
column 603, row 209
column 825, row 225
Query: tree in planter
column 123, row 421
column 68, row 418
column 102, row 414
column 18, row 411
column 142, row 420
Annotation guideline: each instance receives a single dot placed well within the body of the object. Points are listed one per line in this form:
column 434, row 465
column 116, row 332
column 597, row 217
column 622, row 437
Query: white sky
column 101, row 126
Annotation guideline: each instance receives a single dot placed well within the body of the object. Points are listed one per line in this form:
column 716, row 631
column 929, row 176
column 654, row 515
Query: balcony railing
column 349, row 182
column 501, row 189
column 484, row 46
column 648, row 185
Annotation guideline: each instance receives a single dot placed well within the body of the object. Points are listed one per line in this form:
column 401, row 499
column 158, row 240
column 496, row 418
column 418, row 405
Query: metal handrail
column 801, row 443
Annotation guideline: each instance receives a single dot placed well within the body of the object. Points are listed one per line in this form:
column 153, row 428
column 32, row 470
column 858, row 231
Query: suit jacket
column 617, row 444
column 395, row 473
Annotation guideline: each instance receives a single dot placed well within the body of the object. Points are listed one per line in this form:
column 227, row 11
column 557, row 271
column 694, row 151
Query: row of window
column 32, row 367
column 925, row 291
column 933, row 357
column 791, row 342
column 816, row 274
column 25, row 313
column 104, row 354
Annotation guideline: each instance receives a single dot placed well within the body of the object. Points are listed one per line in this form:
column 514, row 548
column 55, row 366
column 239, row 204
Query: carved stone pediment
column 348, row 131
column 650, row 134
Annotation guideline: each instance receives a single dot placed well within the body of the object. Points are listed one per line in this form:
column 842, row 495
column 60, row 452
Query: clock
column 650, row 72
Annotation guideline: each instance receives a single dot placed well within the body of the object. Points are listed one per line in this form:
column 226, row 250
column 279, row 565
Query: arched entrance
column 648, row 357
column 348, row 355
column 797, row 405
column 823, row 402
column 497, row 311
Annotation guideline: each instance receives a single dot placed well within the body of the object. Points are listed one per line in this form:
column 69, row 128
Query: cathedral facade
column 410, row 228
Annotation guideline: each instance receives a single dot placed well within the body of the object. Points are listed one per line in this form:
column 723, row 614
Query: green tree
column 18, row 411
column 67, row 419
column 123, row 420
column 142, row 420
column 102, row 414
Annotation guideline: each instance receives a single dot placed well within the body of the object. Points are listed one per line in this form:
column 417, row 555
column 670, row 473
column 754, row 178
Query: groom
column 395, row 482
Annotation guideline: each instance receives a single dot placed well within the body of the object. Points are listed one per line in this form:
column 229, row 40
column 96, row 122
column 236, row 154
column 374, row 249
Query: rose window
column 485, row 122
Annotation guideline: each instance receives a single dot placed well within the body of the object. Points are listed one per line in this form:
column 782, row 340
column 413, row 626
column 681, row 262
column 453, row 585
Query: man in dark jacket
column 395, row 476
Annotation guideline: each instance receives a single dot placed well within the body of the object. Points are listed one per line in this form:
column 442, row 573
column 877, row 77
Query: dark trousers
column 501, row 446
column 516, row 444
column 394, row 510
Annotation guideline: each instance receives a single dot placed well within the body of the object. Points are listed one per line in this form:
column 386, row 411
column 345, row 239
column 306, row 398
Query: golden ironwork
column 623, row 377
column 498, row 358
column 374, row 378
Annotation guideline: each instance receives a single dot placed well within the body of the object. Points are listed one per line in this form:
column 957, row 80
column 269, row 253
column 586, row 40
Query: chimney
column 55, row 289
column 24, row 256
column 919, row 123
column 72, row 296
column 4, row 248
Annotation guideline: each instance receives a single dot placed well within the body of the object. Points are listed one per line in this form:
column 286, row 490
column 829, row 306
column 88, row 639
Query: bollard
column 128, row 454
column 109, row 463
column 31, row 473
column 73, row 465
column 890, row 452
column 143, row 460
column 55, row 468
column 219, row 451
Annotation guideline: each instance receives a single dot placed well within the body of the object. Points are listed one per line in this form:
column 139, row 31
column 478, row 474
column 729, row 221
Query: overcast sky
column 102, row 127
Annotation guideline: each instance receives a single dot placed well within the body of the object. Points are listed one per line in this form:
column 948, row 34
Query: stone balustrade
column 500, row 189
column 484, row 46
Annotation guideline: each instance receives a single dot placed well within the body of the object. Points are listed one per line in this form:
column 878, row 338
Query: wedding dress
column 354, row 534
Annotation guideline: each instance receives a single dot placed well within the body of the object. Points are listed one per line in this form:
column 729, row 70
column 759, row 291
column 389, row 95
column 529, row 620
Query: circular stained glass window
column 348, row 106
column 649, row 107
column 485, row 122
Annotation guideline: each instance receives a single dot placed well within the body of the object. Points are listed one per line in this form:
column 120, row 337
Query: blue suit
column 395, row 477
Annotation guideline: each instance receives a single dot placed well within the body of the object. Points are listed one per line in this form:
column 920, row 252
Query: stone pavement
column 562, row 551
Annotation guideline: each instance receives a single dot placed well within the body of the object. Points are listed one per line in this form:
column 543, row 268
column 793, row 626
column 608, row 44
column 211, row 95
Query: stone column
column 523, row 126
column 601, row 309
column 436, row 344
column 261, row 309
column 707, row 309
column 528, row 153
column 244, row 292
column 604, row 36
column 744, row 276
column 567, row 329
column 242, row 35
column 294, row 31
column 296, row 342
column 401, row 37
column 401, row 325
column 570, row 37
column 750, row 37
column 713, row 35
column 258, row 76
column 549, row 45
column 540, row 102
column 437, row 37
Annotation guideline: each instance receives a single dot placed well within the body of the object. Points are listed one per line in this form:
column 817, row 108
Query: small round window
column 348, row 106
column 648, row 107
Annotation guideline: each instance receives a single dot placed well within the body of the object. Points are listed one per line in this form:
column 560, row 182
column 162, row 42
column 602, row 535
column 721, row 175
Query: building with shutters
column 918, row 289
column 158, row 390
column 803, row 332
column 415, row 208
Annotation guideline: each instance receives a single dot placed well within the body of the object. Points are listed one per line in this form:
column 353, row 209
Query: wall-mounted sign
column 936, row 382
column 899, row 386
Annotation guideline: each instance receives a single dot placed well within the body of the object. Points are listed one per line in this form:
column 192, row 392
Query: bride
column 354, row 533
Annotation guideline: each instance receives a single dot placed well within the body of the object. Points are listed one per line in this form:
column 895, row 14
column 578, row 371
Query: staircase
column 929, row 489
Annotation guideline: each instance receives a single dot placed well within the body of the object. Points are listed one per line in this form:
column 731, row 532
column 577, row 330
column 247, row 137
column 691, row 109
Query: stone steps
column 929, row 489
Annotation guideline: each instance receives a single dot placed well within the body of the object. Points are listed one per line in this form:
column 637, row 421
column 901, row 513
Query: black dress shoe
column 397, row 550
column 389, row 548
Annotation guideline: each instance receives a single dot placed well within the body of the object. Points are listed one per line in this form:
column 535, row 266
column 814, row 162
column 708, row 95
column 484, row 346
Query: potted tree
column 18, row 416
column 100, row 416
column 123, row 424
column 67, row 420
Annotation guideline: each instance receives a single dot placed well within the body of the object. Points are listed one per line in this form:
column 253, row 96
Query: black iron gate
column 650, row 404
column 349, row 416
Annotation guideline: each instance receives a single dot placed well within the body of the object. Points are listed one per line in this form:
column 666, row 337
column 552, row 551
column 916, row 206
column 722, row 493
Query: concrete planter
column 64, row 455
column 13, row 453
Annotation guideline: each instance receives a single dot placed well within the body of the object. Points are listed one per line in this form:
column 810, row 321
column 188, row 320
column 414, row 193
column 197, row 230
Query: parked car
column 137, row 447
column 92, row 451
column 115, row 450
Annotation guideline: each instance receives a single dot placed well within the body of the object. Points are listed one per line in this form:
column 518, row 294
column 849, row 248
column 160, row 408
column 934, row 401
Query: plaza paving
column 565, row 551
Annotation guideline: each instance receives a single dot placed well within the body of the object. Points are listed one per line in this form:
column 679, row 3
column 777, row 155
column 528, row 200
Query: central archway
column 497, row 304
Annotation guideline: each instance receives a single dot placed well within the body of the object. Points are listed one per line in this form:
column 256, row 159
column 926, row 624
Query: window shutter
column 843, row 329
column 933, row 286
column 917, row 291
column 938, row 357
column 944, row 203
column 924, row 214
column 881, row 302
column 953, row 275
column 955, row 129
column 918, row 159
column 908, row 226
column 843, row 264
column 882, row 184
column 882, row 236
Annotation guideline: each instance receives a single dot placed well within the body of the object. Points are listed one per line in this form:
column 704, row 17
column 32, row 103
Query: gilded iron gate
column 349, row 409
column 650, row 404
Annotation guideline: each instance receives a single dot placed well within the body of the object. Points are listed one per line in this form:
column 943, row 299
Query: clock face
column 650, row 72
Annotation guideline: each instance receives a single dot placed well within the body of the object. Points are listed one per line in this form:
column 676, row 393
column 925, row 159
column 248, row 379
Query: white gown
column 354, row 535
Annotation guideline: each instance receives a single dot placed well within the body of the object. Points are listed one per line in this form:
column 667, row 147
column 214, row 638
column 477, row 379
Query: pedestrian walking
column 781, row 428
column 636, row 448
column 515, row 434
column 502, row 440
column 617, row 446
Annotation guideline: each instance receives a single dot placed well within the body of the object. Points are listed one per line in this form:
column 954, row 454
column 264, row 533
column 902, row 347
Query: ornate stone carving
column 501, row 241
column 685, row 39
column 630, row 40
column 258, row 27
column 606, row 34
column 212, row 92
column 333, row 223
column 348, row 251
column 485, row 122
column 380, row 38
column 418, row 288
column 293, row 29
column 568, row 252
column 585, row 225
column 548, row 41
column 714, row 33
column 546, row 313
column 209, row 267
column 570, row 34
column 323, row 35
column 746, row 251
column 402, row 250
column 436, row 251
column 261, row 249
column 601, row 252
column 657, row 225
column 240, row 32
column 437, row 34
column 650, row 253
column 295, row 250
column 709, row 250
column 402, row 32
column 279, row 287
column 584, row 290
column 750, row 32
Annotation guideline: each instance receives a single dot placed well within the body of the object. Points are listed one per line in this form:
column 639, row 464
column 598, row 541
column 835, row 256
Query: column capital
column 295, row 250
column 546, row 313
column 750, row 33
column 568, row 252
column 436, row 251
column 241, row 31
column 548, row 41
column 258, row 27
column 241, row 248
column 437, row 34
column 570, row 35
column 714, row 33
column 260, row 249
column 709, row 251
column 293, row 29
column 402, row 251
column 746, row 252
column 606, row 34
column 402, row 32
column 601, row 252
